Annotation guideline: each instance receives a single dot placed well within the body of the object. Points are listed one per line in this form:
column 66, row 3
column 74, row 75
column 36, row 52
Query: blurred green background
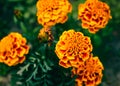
column 20, row 16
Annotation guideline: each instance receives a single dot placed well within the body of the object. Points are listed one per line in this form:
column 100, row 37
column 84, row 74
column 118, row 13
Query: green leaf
column 46, row 65
column 43, row 69
column 23, row 27
column 33, row 74
column 22, row 69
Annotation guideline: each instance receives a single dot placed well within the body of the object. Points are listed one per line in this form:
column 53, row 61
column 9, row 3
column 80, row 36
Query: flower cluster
column 13, row 49
column 94, row 15
column 89, row 72
column 50, row 12
column 72, row 48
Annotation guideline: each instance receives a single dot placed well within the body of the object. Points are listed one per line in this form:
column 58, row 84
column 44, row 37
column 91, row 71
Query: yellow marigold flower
column 50, row 12
column 72, row 48
column 94, row 15
column 12, row 49
column 89, row 72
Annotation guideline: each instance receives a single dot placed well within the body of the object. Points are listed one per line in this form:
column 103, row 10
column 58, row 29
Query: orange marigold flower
column 45, row 35
column 50, row 12
column 12, row 49
column 94, row 15
column 89, row 72
column 72, row 48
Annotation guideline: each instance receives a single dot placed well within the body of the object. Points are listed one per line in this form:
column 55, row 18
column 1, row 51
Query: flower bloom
column 89, row 72
column 50, row 12
column 72, row 48
column 45, row 35
column 94, row 15
column 13, row 49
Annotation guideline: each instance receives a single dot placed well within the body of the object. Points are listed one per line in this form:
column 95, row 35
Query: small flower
column 13, row 49
column 50, row 12
column 72, row 48
column 45, row 35
column 89, row 72
column 18, row 14
column 94, row 15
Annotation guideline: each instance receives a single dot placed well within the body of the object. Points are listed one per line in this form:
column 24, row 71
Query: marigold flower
column 45, row 35
column 50, row 12
column 94, row 15
column 12, row 49
column 89, row 72
column 72, row 48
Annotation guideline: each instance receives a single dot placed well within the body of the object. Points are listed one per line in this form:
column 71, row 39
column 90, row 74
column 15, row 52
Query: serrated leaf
column 43, row 69
column 22, row 69
column 46, row 65
column 33, row 74
column 32, row 59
